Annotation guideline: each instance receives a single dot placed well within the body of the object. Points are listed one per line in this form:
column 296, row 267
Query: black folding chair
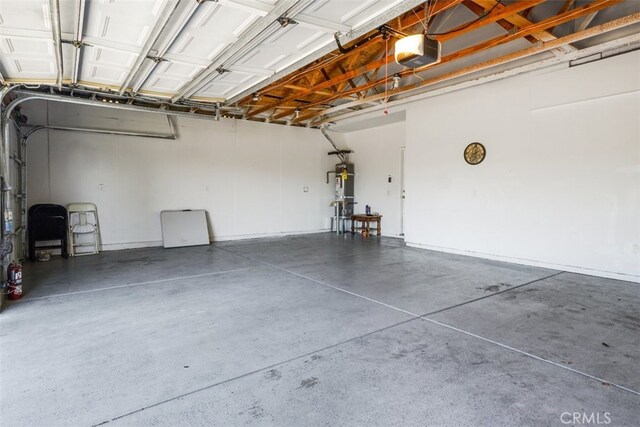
column 47, row 222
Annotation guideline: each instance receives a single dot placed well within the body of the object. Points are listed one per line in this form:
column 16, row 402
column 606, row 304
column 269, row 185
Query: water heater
column 344, row 191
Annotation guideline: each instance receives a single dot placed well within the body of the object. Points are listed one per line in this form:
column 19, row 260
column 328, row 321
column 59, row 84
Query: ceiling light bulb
column 297, row 112
column 396, row 82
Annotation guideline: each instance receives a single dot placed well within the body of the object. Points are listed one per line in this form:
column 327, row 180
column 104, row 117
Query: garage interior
column 320, row 212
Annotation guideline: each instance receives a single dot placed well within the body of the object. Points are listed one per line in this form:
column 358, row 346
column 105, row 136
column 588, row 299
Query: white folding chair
column 84, row 232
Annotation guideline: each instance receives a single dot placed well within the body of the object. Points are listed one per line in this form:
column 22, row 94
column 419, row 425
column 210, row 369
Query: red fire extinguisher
column 14, row 280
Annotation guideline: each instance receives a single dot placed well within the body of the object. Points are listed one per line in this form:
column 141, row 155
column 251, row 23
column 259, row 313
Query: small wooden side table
column 365, row 220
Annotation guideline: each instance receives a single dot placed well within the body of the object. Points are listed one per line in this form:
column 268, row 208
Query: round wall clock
column 474, row 153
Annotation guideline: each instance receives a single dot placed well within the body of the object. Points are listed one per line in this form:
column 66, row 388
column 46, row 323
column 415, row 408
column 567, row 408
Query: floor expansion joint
column 450, row 327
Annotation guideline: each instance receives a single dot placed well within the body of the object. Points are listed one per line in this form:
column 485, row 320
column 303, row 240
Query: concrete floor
column 316, row 330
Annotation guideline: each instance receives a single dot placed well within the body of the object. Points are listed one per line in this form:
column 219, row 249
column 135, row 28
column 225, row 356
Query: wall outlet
column 305, row 189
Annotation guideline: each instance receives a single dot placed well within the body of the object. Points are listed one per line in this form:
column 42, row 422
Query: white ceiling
column 195, row 40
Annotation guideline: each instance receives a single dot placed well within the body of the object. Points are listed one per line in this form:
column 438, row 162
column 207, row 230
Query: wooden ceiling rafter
column 349, row 82
column 521, row 21
column 301, row 88
column 304, row 75
column 436, row 8
column 411, row 20
column 582, row 25
column 495, row 13
column 327, row 77
column 324, row 62
column 355, row 74
column 628, row 20
column 342, row 70
column 508, row 26
column 528, row 30
column 568, row 4
column 324, row 74
column 368, row 80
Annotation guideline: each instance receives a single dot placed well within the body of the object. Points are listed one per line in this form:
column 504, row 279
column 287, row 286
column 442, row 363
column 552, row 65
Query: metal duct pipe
column 54, row 11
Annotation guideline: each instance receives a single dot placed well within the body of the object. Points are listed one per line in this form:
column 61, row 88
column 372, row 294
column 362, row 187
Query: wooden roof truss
column 365, row 75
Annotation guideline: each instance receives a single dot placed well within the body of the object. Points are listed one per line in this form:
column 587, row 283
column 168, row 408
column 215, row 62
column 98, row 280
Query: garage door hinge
column 157, row 59
column 76, row 43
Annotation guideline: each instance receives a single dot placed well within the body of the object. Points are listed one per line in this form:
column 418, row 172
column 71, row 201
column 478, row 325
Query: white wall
column 376, row 155
column 248, row 176
column 560, row 186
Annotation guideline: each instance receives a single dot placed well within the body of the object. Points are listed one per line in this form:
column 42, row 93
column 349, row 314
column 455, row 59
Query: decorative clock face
column 474, row 153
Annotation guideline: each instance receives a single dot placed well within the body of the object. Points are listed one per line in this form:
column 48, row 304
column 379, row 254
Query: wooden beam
column 525, row 31
column 498, row 14
column 517, row 20
column 350, row 81
column 368, row 80
column 314, row 68
column 585, row 22
column 301, row 88
column 553, row 21
column 508, row 26
column 568, row 4
column 522, row 21
column 324, row 74
column 502, row 12
column 440, row 6
column 342, row 70
column 527, row 12
column 543, row 47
